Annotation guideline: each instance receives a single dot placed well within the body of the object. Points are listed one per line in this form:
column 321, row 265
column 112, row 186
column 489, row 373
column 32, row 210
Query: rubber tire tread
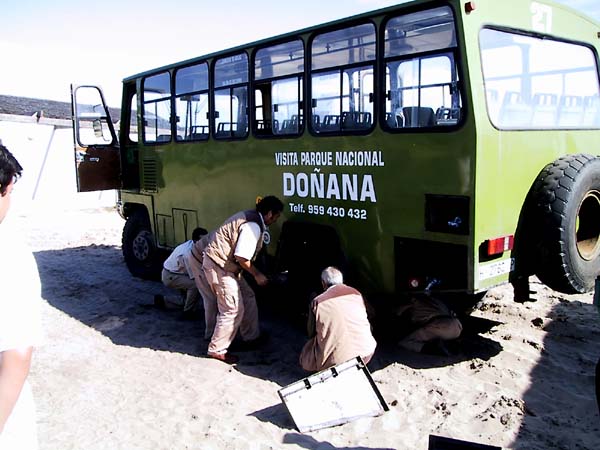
column 151, row 269
column 558, row 192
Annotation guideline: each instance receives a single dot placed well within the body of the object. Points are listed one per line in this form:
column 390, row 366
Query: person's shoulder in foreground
column 20, row 328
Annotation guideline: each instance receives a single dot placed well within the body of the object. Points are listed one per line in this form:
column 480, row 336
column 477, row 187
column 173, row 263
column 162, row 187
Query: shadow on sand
column 309, row 442
column 551, row 403
column 92, row 284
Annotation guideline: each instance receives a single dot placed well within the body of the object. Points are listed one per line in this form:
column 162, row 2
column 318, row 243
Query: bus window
column 191, row 102
column 534, row 83
column 420, row 32
column 157, row 108
column 425, row 92
column 231, row 97
column 92, row 118
column 342, row 79
column 278, row 72
column 421, row 91
column 133, row 124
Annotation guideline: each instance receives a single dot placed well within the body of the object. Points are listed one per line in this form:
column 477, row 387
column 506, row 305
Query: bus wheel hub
column 588, row 226
column 141, row 245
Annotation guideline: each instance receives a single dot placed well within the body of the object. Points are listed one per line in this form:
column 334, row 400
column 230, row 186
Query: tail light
column 500, row 245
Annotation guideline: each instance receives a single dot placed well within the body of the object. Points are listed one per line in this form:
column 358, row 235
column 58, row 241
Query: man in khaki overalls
column 232, row 248
column 209, row 299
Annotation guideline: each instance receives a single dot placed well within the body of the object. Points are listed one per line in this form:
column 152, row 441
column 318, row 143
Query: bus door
column 97, row 159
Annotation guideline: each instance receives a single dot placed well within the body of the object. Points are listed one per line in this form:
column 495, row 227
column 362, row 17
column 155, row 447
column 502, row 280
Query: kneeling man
column 338, row 326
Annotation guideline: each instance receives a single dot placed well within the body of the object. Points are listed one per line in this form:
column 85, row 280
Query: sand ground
column 117, row 373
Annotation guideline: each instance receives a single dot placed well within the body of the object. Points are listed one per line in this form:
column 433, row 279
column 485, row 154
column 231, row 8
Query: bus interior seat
column 391, row 120
column 275, row 126
column 591, row 116
column 447, row 116
column 266, row 127
column 545, row 110
column 418, row 116
column 331, row 122
column 493, row 104
column 316, row 121
column 570, row 111
column 198, row 132
column 298, row 120
column 356, row 120
column 240, row 130
column 491, row 95
column 224, row 129
column 394, row 120
column 514, row 111
column 291, row 125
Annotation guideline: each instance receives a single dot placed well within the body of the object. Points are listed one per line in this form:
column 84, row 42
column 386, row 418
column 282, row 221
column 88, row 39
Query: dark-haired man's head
column 10, row 171
column 198, row 233
column 270, row 208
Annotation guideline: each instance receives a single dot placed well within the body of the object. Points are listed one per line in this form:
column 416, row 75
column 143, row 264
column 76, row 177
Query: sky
column 47, row 45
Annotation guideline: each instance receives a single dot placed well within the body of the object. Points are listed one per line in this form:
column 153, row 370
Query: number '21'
column 541, row 19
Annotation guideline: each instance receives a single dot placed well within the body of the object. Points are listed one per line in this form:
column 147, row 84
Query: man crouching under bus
column 431, row 323
column 231, row 249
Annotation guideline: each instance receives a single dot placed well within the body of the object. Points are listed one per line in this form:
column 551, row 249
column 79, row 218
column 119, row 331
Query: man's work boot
column 225, row 357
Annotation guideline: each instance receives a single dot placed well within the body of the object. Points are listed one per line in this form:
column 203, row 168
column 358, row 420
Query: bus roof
column 407, row 5
column 260, row 42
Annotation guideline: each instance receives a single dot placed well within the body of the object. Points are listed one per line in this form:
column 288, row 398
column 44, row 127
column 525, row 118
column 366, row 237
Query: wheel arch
column 304, row 250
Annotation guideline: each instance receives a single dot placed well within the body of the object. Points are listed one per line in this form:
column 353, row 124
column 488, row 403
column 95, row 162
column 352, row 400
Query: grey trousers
column 184, row 283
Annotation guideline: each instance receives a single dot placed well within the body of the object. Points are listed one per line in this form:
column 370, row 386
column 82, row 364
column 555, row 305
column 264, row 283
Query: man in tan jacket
column 338, row 324
column 230, row 250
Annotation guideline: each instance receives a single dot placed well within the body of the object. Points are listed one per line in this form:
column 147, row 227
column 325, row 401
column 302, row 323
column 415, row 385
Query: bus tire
column 141, row 255
column 567, row 198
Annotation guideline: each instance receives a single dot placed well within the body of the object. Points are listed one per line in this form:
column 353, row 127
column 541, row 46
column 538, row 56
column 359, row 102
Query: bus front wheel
column 139, row 248
column 567, row 195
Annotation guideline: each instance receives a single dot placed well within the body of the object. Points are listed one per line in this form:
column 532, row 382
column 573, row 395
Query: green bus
column 431, row 146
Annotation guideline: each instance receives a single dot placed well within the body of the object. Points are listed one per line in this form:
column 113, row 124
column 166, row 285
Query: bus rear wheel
column 139, row 249
column 568, row 203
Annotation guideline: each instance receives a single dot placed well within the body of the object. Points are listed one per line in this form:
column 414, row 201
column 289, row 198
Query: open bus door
column 97, row 158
